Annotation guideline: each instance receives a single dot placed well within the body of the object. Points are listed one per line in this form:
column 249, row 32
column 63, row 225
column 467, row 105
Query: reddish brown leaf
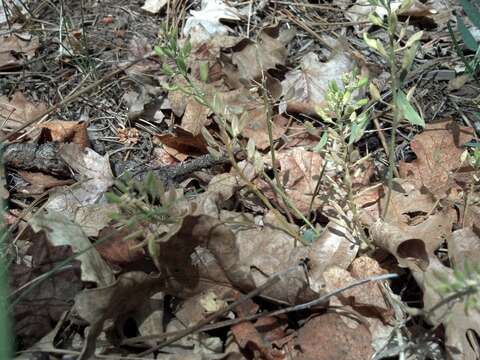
column 328, row 337
column 184, row 142
column 438, row 151
column 113, row 248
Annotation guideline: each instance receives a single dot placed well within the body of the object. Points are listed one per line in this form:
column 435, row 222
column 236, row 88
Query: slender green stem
column 261, row 196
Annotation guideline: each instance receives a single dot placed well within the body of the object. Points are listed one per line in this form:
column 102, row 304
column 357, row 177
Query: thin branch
column 206, row 327
column 198, row 326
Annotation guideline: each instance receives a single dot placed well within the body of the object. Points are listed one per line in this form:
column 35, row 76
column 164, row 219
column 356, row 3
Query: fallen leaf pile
column 204, row 213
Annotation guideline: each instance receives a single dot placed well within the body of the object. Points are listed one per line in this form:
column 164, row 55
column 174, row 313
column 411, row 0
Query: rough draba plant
column 399, row 54
column 346, row 124
column 175, row 58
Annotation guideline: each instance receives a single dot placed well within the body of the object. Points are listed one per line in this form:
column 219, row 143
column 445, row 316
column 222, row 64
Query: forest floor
column 241, row 179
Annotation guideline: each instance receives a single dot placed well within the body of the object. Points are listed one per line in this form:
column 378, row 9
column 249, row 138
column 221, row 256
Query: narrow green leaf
column 375, row 19
column 472, row 12
column 370, row 42
column 405, row 5
column 414, row 38
column 203, row 71
column 250, row 148
column 358, row 128
column 323, row 141
column 408, row 111
column 467, row 36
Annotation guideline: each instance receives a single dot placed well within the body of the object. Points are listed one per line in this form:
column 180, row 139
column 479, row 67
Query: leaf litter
column 133, row 265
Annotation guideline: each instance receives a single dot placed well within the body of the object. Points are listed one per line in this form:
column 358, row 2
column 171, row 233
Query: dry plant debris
column 210, row 179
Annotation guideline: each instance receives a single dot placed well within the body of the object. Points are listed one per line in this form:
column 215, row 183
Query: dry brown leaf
column 94, row 217
column 61, row 231
column 195, row 117
column 438, row 149
column 66, row 132
column 138, row 47
column 117, row 250
column 18, row 111
column 254, row 58
column 298, row 172
column 41, row 182
column 42, row 306
column 461, row 328
column 111, row 302
column 464, row 246
column 367, row 300
column 184, row 142
column 256, row 127
column 12, row 48
column 305, row 88
column 96, row 178
column 328, row 337
column 413, row 227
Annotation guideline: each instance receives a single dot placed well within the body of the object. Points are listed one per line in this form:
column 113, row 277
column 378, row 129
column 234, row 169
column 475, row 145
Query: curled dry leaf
column 14, row 47
column 305, row 88
column 65, row 132
column 438, row 149
column 18, row 111
column 413, row 227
